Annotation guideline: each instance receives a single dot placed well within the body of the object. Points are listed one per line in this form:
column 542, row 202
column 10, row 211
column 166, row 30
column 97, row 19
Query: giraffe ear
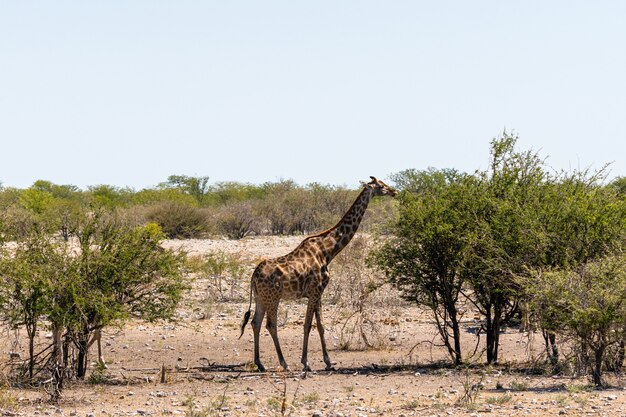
column 373, row 179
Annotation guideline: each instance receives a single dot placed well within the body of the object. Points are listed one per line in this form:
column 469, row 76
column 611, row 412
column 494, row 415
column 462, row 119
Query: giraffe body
column 303, row 273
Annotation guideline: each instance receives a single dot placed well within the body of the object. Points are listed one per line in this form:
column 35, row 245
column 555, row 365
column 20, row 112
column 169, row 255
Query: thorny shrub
column 355, row 290
column 224, row 273
column 179, row 220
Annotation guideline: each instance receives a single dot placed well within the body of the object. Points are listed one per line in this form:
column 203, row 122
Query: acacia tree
column 507, row 239
column 582, row 221
column 424, row 258
column 28, row 273
column 468, row 233
column 117, row 272
column 122, row 272
column 195, row 186
column 588, row 304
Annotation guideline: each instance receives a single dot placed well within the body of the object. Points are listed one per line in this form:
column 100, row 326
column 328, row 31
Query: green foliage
column 414, row 181
column 127, row 272
column 230, row 208
column 57, row 191
column 431, row 238
column 36, row 200
column 588, row 303
column 223, row 193
column 109, row 196
column 115, row 272
column 197, row 187
column 582, row 220
column 619, row 184
column 485, row 232
column 506, row 234
column 150, row 196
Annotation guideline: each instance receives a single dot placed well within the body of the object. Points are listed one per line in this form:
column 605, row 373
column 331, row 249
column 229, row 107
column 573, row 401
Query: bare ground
column 208, row 371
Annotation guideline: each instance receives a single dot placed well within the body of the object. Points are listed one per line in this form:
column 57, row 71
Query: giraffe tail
column 246, row 316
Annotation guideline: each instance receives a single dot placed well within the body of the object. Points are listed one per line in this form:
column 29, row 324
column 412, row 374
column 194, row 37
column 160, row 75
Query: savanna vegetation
column 519, row 243
column 76, row 261
column 184, row 207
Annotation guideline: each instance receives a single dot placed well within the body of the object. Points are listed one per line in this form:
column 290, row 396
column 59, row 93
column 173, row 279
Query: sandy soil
column 208, row 371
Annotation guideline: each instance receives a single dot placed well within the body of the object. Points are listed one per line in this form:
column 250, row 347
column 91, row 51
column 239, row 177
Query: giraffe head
column 380, row 188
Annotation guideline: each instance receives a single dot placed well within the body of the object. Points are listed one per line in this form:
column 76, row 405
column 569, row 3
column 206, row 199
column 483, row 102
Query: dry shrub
column 223, row 271
column 290, row 212
column 179, row 221
column 290, row 209
column 17, row 221
column 355, row 289
column 380, row 214
column 238, row 219
column 134, row 216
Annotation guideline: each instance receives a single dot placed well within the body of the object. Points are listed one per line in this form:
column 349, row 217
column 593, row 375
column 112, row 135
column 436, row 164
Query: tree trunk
column 621, row 353
column 57, row 365
column 66, row 352
column 32, row 331
column 456, row 334
column 490, row 335
column 552, row 350
column 81, row 368
column 597, row 369
column 443, row 325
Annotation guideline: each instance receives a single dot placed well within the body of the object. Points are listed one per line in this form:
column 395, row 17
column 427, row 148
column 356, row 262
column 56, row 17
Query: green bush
column 110, row 273
column 589, row 305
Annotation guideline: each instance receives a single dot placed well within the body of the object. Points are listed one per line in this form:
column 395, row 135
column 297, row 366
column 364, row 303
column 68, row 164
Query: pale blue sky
column 129, row 92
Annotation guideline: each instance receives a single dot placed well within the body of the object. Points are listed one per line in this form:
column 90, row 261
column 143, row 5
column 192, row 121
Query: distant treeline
column 185, row 206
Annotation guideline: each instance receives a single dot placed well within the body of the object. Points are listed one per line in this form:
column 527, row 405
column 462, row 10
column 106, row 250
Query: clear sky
column 129, row 92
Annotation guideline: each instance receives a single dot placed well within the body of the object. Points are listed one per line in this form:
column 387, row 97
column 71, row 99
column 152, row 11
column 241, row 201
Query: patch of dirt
column 208, row 369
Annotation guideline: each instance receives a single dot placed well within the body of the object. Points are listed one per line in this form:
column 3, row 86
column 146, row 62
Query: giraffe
column 304, row 273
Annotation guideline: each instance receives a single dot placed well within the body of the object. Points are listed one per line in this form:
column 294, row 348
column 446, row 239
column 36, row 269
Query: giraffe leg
column 310, row 310
column 259, row 312
column 320, row 329
column 272, row 327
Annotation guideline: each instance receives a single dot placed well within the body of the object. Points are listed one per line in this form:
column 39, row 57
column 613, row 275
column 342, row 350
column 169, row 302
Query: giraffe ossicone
column 304, row 273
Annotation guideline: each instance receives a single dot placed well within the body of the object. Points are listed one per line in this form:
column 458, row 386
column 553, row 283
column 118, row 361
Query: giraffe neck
column 343, row 232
